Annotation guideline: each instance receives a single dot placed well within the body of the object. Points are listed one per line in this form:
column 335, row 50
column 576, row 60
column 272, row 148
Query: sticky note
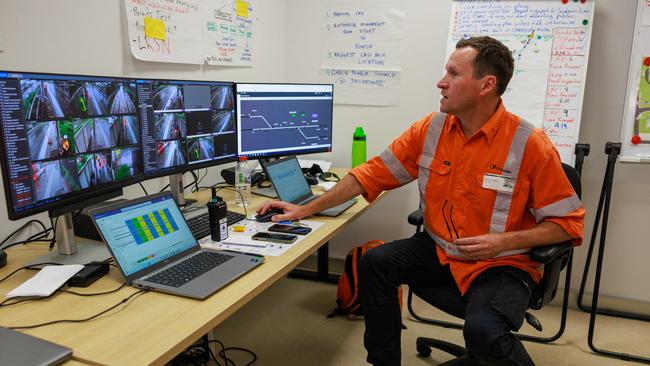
column 242, row 8
column 154, row 28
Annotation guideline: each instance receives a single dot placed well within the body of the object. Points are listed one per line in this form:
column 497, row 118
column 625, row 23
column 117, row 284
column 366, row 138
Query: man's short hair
column 492, row 58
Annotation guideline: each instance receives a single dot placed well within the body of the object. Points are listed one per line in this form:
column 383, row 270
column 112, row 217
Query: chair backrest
column 554, row 257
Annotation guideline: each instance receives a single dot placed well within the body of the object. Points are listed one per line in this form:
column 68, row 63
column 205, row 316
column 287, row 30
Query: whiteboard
column 549, row 40
column 635, row 127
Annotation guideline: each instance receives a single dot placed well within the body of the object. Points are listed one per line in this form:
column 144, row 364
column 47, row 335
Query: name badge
column 499, row 183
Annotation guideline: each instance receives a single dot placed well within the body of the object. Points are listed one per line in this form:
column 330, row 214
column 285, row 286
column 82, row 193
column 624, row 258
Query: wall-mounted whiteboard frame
column 630, row 152
column 551, row 93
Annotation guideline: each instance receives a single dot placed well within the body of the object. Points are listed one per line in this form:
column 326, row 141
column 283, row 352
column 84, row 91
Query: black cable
column 94, row 294
column 143, row 189
column 123, row 301
column 240, row 196
column 222, row 353
column 23, row 226
column 33, row 266
column 33, row 238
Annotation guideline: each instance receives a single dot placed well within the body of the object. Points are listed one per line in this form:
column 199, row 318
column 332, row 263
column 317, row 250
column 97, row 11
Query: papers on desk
column 243, row 242
column 46, row 281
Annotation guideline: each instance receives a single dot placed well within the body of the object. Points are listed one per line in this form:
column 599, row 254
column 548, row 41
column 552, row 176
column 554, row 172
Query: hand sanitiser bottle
column 358, row 146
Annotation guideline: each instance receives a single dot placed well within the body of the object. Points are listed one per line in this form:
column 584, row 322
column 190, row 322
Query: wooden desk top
column 151, row 328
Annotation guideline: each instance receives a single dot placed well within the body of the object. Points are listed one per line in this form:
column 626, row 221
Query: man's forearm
column 349, row 187
column 544, row 233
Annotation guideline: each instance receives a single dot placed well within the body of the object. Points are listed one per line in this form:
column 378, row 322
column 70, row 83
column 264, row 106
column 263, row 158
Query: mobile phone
column 275, row 238
column 290, row 229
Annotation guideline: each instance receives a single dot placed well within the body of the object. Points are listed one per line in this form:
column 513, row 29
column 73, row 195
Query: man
column 491, row 187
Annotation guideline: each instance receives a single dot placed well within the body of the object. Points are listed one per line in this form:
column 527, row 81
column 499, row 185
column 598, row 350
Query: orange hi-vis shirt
column 506, row 177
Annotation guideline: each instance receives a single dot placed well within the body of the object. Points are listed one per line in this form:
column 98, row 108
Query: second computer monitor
column 186, row 125
column 284, row 119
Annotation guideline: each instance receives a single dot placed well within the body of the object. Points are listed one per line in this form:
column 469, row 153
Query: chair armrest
column 548, row 253
column 416, row 218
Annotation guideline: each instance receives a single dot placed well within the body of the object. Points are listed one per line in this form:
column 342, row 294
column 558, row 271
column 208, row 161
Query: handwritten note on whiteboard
column 361, row 51
column 228, row 29
column 183, row 36
column 549, row 41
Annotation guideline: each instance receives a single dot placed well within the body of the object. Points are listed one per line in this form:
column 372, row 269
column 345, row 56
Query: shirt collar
column 490, row 127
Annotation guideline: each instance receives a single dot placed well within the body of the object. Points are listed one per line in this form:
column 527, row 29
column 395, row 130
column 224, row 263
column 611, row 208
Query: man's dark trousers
column 495, row 303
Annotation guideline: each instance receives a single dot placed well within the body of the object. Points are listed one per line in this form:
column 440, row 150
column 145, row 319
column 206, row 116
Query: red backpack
column 347, row 292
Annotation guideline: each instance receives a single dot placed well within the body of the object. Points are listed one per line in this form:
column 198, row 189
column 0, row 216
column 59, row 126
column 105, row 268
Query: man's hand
column 483, row 246
column 291, row 211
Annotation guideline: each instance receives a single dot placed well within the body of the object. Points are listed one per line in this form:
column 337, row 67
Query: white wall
column 76, row 36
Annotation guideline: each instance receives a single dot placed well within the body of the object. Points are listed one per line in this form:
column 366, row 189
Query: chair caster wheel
column 423, row 349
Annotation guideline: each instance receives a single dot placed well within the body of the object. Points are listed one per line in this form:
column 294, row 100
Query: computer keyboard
column 190, row 268
column 200, row 224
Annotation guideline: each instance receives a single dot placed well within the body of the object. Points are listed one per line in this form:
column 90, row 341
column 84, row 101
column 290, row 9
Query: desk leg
column 322, row 271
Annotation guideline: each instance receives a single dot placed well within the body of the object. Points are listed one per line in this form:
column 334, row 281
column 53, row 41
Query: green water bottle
column 358, row 147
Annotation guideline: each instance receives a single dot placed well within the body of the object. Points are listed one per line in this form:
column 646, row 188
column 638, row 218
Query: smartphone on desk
column 275, row 238
column 290, row 229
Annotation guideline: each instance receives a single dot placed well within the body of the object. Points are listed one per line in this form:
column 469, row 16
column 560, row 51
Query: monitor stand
column 177, row 188
column 71, row 250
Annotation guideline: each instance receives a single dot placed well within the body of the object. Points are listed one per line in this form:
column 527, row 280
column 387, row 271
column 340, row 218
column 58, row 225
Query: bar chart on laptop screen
column 153, row 225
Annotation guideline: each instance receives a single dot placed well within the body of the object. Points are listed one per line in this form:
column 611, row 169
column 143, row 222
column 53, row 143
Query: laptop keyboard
column 200, row 224
column 189, row 269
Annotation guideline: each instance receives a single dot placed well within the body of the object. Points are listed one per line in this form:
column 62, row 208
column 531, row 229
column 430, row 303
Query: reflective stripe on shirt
column 451, row 249
column 557, row 209
column 513, row 162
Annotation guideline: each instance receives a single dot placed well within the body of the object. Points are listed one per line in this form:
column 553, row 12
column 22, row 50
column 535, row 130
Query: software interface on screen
column 283, row 119
column 185, row 123
column 65, row 134
column 146, row 233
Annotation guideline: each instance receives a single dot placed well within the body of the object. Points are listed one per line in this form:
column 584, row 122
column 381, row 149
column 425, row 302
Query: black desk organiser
column 612, row 150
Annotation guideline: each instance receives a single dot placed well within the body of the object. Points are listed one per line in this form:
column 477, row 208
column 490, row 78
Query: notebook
column 291, row 186
column 154, row 248
column 20, row 349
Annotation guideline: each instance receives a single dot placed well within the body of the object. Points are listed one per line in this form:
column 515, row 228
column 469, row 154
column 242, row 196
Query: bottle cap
column 243, row 158
column 359, row 134
column 214, row 192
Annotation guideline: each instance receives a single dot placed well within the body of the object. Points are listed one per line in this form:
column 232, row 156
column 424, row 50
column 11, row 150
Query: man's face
column 459, row 88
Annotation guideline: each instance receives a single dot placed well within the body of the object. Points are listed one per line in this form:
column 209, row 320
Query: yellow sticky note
column 242, row 8
column 154, row 28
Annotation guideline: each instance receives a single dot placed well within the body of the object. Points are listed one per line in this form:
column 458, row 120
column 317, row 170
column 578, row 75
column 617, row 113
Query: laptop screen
column 288, row 180
column 145, row 233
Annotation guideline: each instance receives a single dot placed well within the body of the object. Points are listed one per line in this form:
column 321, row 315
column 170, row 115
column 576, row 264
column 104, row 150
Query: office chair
column 554, row 257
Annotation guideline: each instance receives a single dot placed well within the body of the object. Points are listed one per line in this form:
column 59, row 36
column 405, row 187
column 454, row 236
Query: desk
column 151, row 328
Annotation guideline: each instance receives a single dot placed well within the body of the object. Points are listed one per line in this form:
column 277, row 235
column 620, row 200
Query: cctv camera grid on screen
column 67, row 134
column 193, row 125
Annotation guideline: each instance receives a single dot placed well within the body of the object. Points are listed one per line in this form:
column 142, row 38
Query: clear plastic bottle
column 243, row 182
column 358, row 147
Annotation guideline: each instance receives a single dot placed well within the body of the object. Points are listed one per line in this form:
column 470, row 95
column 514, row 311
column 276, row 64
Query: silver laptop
column 291, row 186
column 154, row 248
column 19, row 349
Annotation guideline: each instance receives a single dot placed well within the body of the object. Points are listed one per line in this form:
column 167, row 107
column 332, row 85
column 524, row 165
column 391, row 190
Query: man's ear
column 488, row 85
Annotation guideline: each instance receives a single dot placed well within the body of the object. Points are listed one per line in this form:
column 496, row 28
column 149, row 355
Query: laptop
column 20, row 349
column 154, row 248
column 291, row 186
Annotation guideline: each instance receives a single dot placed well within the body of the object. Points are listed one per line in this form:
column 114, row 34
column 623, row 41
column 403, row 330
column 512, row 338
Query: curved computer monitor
column 283, row 119
column 66, row 138
column 186, row 125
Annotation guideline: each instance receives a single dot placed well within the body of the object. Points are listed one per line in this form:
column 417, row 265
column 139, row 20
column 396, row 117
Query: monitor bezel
column 73, row 196
column 279, row 154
